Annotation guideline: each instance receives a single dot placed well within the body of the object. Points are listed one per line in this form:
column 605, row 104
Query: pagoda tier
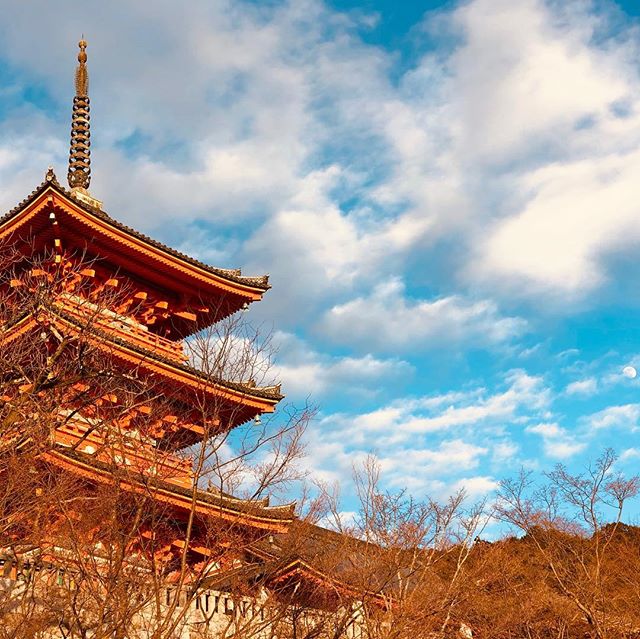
column 214, row 526
column 257, row 514
column 173, row 294
column 194, row 406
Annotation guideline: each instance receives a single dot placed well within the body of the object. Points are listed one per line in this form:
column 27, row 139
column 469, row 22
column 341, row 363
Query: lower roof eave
column 271, row 518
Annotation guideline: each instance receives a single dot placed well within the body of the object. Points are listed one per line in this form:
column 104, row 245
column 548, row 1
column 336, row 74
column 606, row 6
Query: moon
column 630, row 372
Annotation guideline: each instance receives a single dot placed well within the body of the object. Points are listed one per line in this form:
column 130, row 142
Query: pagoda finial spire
column 79, row 175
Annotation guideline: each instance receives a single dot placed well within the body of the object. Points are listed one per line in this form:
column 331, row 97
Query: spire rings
column 79, row 174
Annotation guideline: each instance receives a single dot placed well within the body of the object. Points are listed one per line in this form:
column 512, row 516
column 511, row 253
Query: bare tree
column 572, row 522
column 399, row 570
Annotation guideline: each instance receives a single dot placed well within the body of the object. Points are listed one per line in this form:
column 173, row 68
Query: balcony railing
column 122, row 326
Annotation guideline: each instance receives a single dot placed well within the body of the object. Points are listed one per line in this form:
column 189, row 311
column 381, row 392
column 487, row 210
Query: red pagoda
column 158, row 298
column 136, row 302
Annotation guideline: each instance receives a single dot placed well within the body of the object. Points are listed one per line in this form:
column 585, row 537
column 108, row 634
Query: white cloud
column 429, row 470
column 406, row 418
column 558, row 442
column 330, row 459
column 582, row 387
column 305, row 372
column 629, row 454
column 580, row 212
column 417, row 468
column 386, row 320
column 623, row 416
column 546, row 430
column 315, row 252
column 475, row 487
column 536, row 80
column 528, row 72
column 505, row 451
column 563, row 449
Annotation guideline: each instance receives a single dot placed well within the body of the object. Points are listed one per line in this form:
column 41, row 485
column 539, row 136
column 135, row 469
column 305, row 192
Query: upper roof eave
column 258, row 284
column 270, row 395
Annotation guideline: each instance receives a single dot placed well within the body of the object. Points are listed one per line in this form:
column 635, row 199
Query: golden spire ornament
column 79, row 175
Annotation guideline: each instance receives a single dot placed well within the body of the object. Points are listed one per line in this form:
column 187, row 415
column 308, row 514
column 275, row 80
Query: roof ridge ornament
column 79, row 174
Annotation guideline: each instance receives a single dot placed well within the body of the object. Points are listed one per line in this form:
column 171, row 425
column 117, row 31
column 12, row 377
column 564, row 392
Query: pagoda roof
column 229, row 276
column 256, row 513
column 271, row 394
column 335, row 562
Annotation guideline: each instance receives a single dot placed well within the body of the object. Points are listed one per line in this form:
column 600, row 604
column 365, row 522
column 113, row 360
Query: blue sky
column 444, row 193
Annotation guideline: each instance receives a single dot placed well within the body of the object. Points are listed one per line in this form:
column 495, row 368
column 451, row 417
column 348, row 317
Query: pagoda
column 135, row 301
column 128, row 405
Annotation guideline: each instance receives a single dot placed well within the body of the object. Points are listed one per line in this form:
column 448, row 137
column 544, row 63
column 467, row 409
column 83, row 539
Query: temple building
column 108, row 315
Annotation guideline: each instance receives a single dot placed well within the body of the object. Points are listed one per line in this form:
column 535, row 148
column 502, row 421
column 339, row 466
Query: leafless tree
column 572, row 522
